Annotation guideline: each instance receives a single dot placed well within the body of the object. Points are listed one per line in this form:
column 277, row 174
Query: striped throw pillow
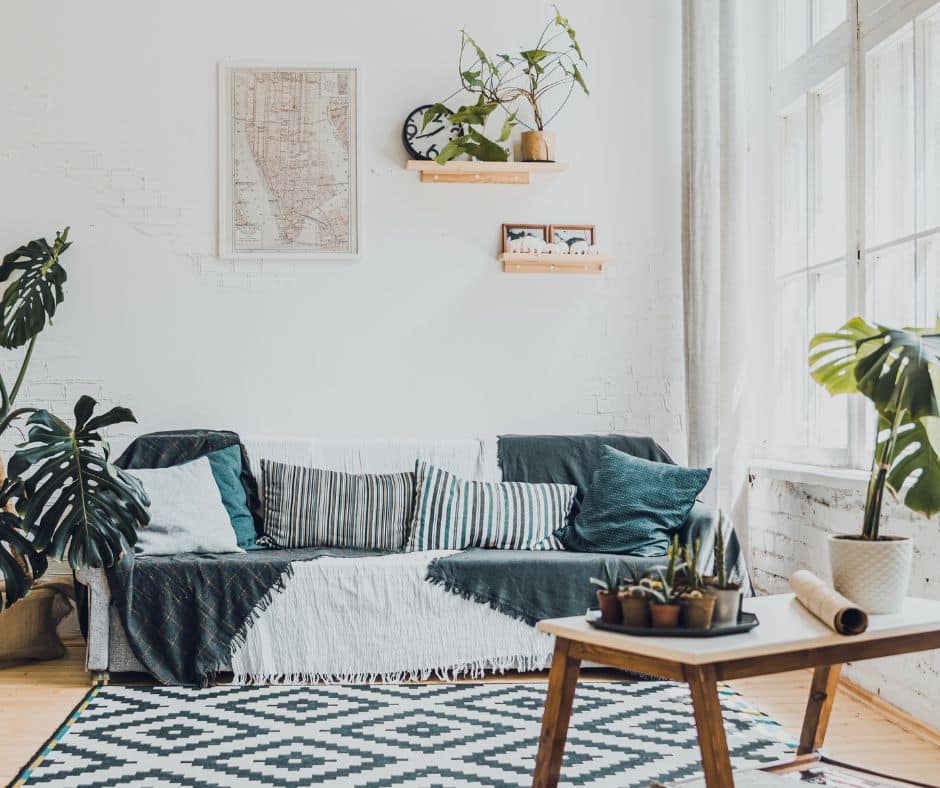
column 452, row 514
column 309, row 507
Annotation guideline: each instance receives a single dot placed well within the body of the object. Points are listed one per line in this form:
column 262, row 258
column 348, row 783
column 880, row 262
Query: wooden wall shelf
column 481, row 171
column 516, row 263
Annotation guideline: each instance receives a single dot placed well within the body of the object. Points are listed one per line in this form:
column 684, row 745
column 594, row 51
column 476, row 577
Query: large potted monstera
column 60, row 495
column 899, row 371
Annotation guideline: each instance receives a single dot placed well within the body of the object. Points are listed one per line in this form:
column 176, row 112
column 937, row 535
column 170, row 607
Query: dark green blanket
column 184, row 614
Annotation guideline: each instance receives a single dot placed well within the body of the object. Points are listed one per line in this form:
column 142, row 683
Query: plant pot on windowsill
column 874, row 573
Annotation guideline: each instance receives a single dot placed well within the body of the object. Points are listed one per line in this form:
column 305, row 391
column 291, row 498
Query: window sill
column 827, row 476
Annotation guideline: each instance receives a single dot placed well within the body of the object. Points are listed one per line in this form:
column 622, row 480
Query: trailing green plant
column 898, row 370
column 62, row 496
column 610, row 583
column 530, row 76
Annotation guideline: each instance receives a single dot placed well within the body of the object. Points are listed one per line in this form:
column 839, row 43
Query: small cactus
column 721, row 572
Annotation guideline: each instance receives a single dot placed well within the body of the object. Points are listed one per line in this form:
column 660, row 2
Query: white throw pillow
column 186, row 512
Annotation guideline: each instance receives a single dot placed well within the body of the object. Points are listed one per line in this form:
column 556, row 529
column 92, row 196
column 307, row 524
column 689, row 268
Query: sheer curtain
column 714, row 271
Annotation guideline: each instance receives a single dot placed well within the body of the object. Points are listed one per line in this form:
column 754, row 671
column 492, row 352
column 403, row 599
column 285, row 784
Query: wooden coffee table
column 788, row 638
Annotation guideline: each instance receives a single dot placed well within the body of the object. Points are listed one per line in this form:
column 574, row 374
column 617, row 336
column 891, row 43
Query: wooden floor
column 861, row 733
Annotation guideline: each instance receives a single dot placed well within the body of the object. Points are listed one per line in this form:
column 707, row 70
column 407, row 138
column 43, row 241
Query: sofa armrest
column 99, row 621
column 702, row 524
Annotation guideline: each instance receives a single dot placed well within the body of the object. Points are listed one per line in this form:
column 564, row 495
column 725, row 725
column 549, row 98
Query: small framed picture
column 572, row 234
column 524, row 237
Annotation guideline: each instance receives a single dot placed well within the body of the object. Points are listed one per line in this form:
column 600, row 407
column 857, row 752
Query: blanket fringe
column 473, row 670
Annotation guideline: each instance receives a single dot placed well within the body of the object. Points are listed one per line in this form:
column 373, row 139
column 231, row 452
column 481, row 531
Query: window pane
column 830, row 312
column 791, row 190
column 890, row 143
column 792, row 30
column 931, row 175
column 791, row 373
column 829, row 189
column 931, row 256
column 893, row 286
column 827, row 16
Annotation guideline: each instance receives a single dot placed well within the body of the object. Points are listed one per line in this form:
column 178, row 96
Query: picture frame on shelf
column 524, row 237
column 573, row 235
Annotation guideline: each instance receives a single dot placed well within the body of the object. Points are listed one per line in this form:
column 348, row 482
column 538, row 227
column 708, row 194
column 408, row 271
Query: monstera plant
column 898, row 369
column 60, row 496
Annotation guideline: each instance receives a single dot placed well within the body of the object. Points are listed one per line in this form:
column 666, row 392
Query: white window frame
column 867, row 23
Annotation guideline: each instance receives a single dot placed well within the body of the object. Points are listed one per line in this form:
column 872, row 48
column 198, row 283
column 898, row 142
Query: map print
column 293, row 176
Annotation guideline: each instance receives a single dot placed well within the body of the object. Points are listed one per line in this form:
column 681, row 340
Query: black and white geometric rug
column 621, row 734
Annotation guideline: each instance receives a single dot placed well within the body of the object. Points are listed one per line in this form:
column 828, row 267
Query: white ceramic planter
column 875, row 575
column 727, row 605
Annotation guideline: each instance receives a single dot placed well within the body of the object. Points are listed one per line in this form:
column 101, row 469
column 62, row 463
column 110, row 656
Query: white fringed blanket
column 378, row 618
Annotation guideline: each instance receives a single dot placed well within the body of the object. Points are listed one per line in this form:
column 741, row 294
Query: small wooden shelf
column 481, row 171
column 517, row 263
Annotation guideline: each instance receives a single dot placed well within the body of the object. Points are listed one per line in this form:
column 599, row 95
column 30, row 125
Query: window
column 856, row 197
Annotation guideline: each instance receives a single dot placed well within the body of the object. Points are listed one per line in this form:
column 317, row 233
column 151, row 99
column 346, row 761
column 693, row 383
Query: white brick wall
column 424, row 336
column 788, row 524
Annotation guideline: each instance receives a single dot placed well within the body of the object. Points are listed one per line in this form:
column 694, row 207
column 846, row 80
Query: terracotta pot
column 697, row 611
column 538, row 146
column 727, row 605
column 610, row 607
column 635, row 610
column 664, row 616
column 874, row 574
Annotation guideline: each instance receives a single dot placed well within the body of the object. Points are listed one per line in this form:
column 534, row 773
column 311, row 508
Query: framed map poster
column 289, row 162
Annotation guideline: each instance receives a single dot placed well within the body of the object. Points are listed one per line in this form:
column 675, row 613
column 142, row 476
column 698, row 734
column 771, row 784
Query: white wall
column 789, row 520
column 110, row 126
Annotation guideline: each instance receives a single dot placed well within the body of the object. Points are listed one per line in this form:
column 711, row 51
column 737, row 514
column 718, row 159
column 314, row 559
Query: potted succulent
column 697, row 606
column 898, row 370
column 551, row 68
column 607, row 595
column 665, row 590
column 635, row 602
column 727, row 594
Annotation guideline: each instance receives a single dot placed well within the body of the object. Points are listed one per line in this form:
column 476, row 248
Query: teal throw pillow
column 634, row 506
column 226, row 465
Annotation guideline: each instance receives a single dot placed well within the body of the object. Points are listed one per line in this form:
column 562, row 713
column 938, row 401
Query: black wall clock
column 428, row 142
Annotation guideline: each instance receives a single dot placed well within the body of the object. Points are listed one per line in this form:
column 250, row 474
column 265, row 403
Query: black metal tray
column 746, row 622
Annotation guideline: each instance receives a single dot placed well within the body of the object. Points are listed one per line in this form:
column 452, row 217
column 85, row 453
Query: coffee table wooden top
column 785, row 626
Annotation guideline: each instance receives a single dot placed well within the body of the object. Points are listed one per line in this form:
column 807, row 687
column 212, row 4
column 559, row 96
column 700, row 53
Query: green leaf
column 20, row 561
column 475, row 114
column 533, row 58
column 33, row 295
column 579, row 78
column 466, row 37
column 563, row 23
column 916, row 462
column 436, row 110
column 484, row 149
column 76, row 500
column 452, row 149
column 472, row 78
column 508, row 125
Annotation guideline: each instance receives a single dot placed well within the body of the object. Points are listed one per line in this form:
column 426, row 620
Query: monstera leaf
column 899, row 371
column 34, row 295
column 20, row 562
column 75, row 499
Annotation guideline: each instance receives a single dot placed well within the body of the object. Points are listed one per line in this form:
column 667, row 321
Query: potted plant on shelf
column 608, row 588
column 665, row 591
column 898, row 370
column 697, row 606
column 727, row 594
column 551, row 68
column 635, row 601
column 62, row 497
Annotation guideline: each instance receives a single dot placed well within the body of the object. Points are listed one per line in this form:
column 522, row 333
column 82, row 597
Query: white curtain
column 714, row 269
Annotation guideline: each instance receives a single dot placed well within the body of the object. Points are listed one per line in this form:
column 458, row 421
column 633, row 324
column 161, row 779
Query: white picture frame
column 228, row 244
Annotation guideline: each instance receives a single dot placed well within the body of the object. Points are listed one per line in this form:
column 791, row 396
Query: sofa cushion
column 634, row 506
column 311, row 507
column 226, row 465
column 452, row 514
column 186, row 512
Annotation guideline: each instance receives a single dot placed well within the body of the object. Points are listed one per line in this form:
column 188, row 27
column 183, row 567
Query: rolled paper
column 828, row 605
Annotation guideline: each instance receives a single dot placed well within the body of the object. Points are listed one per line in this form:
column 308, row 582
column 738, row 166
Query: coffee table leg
column 716, row 762
column 562, row 681
column 822, row 693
